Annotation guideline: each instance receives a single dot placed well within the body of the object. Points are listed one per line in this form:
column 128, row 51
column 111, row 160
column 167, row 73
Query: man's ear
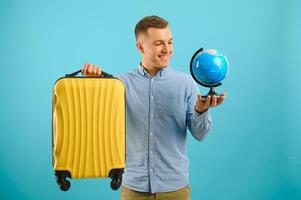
column 139, row 47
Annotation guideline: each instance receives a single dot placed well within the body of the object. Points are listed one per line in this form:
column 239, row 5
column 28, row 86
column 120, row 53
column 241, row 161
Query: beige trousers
column 181, row 194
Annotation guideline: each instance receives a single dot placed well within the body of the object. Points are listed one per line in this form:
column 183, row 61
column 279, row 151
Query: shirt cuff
column 198, row 117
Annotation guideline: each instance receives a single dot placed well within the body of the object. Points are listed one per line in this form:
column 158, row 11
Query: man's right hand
column 91, row 70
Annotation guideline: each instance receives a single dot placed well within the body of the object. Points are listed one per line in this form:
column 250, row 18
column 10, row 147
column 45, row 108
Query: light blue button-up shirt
column 158, row 111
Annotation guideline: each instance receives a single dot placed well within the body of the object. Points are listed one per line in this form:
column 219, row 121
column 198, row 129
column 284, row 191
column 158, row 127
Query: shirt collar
column 142, row 71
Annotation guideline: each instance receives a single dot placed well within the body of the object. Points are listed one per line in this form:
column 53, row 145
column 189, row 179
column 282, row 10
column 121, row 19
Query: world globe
column 209, row 68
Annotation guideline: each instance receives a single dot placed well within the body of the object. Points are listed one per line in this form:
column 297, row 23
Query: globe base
column 211, row 93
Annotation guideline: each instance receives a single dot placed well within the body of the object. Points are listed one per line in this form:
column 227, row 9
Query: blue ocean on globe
column 210, row 67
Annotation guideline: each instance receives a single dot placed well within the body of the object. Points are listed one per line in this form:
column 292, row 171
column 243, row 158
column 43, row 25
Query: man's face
column 155, row 47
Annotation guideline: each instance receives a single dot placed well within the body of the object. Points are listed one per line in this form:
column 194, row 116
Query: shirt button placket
column 151, row 133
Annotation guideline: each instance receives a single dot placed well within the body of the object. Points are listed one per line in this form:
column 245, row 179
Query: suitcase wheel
column 116, row 182
column 61, row 180
column 116, row 176
column 64, row 185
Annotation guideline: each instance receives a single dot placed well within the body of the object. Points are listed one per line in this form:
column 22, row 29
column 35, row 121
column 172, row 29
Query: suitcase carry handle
column 103, row 74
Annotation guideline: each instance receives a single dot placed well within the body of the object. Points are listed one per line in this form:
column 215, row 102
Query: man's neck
column 151, row 70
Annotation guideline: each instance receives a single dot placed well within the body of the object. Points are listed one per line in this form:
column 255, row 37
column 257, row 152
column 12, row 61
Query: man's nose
column 165, row 48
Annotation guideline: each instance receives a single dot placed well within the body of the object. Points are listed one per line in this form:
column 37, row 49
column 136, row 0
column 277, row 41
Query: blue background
column 253, row 150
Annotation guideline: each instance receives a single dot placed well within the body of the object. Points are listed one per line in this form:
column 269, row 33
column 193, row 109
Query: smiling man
column 155, row 46
column 161, row 103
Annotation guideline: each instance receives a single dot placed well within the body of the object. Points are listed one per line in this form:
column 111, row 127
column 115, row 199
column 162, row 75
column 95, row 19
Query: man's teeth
column 164, row 57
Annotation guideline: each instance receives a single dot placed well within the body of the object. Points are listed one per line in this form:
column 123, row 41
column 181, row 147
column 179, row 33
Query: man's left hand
column 202, row 105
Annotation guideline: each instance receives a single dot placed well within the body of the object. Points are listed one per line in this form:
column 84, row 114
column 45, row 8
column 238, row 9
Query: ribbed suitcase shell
column 88, row 126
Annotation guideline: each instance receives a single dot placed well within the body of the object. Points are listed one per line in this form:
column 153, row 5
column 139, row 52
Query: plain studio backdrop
column 253, row 149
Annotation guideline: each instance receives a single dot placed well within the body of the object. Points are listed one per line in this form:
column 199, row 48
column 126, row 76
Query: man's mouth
column 163, row 57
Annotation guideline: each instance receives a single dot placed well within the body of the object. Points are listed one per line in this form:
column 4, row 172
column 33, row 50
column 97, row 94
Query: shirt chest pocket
column 170, row 104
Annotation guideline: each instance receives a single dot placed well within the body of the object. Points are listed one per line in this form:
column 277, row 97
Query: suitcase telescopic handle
column 103, row 74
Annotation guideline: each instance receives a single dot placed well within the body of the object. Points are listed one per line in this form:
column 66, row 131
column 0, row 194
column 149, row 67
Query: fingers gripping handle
column 103, row 74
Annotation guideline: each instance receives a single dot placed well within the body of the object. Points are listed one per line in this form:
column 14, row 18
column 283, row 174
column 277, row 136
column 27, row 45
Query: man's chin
column 163, row 65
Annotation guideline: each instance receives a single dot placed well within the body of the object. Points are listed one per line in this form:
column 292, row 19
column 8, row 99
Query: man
column 160, row 104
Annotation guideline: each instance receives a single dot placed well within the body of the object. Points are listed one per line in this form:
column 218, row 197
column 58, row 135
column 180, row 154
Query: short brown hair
column 149, row 22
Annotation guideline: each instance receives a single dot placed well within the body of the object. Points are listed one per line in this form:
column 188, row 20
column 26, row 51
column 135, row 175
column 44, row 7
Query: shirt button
column 151, row 170
column 151, row 133
column 152, row 97
column 152, row 115
column 151, row 152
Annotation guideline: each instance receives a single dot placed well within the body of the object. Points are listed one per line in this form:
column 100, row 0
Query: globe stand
column 211, row 91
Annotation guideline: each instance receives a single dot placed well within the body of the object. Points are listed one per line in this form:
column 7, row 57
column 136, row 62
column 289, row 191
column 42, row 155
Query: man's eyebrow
column 162, row 40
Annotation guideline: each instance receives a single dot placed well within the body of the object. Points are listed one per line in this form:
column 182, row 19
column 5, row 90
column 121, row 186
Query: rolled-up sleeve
column 198, row 124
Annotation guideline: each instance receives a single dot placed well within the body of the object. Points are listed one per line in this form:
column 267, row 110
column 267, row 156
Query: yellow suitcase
column 88, row 129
